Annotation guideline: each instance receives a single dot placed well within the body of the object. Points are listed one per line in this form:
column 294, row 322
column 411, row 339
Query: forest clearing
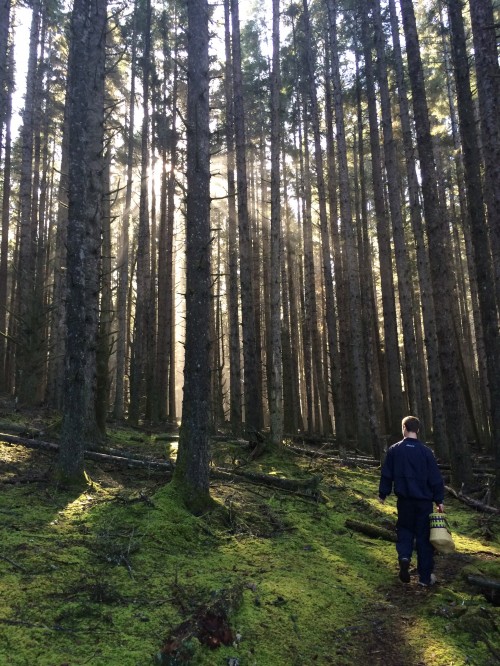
column 120, row 574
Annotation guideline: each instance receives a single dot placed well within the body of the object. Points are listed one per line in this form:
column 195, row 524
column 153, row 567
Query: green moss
column 105, row 575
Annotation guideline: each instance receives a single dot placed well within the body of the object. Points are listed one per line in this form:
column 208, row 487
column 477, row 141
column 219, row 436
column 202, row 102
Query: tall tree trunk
column 391, row 349
column 85, row 100
column 123, row 248
column 251, row 360
column 235, row 416
column 293, row 411
column 140, row 361
column 426, row 296
column 307, row 276
column 104, row 339
column 217, row 336
column 442, row 284
column 259, row 235
column 338, row 338
column 414, row 389
column 5, row 75
column 479, row 231
column 330, row 313
column 4, row 247
column 55, row 387
column 488, row 90
column 27, row 372
column 471, row 342
column 351, row 252
column 276, row 383
column 165, row 366
column 375, row 366
column 192, row 469
column 309, row 263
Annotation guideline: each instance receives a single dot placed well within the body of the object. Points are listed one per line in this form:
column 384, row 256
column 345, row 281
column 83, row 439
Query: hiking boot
column 404, row 570
column 432, row 581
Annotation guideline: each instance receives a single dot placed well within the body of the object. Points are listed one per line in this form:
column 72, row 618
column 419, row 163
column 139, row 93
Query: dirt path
column 387, row 623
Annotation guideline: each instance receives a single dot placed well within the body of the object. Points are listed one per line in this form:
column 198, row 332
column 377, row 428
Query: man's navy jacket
column 411, row 467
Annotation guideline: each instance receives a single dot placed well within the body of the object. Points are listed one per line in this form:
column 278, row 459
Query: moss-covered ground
column 114, row 575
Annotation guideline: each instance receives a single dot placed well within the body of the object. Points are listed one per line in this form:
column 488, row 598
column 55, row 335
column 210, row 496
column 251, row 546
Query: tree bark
column 166, row 269
column 276, row 383
column 123, row 248
column 251, row 360
column 488, row 87
column 438, row 243
column 376, row 375
column 394, row 399
column 488, row 91
column 414, row 388
column 4, row 248
column 5, row 75
column 322, row 421
column 27, row 370
column 235, row 416
column 348, row 230
column 292, row 405
column 142, row 352
column 192, row 470
column 340, row 336
column 104, row 338
column 85, row 99
column 438, row 423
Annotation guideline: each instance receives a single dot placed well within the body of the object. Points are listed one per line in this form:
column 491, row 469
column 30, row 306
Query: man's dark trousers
column 413, row 523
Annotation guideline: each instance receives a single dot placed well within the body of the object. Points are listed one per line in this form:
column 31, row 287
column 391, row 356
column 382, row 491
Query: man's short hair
column 412, row 423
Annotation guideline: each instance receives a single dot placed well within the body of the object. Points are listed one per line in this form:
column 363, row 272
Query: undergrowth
column 116, row 575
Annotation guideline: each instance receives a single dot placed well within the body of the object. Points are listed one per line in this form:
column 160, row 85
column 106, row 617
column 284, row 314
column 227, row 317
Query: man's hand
column 440, row 508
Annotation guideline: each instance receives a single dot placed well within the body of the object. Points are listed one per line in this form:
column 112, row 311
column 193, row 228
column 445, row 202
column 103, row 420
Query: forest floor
column 121, row 575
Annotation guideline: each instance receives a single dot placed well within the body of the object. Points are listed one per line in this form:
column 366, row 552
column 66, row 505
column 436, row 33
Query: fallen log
column 20, row 430
column 373, row 531
column 131, row 462
column 122, row 454
column 470, row 501
column 358, row 461
column 90, row 454
column 311, row 453
column 313, row 439
column 488, row 583
column 30, row 443
column 490, row 589
column 305, row 487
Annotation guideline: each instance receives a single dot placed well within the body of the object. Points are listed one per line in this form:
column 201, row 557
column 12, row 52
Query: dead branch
column 14, row 564
column 370, row 530
column 476, row 504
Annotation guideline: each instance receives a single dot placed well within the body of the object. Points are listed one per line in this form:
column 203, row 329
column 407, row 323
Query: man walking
column 410, row 468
